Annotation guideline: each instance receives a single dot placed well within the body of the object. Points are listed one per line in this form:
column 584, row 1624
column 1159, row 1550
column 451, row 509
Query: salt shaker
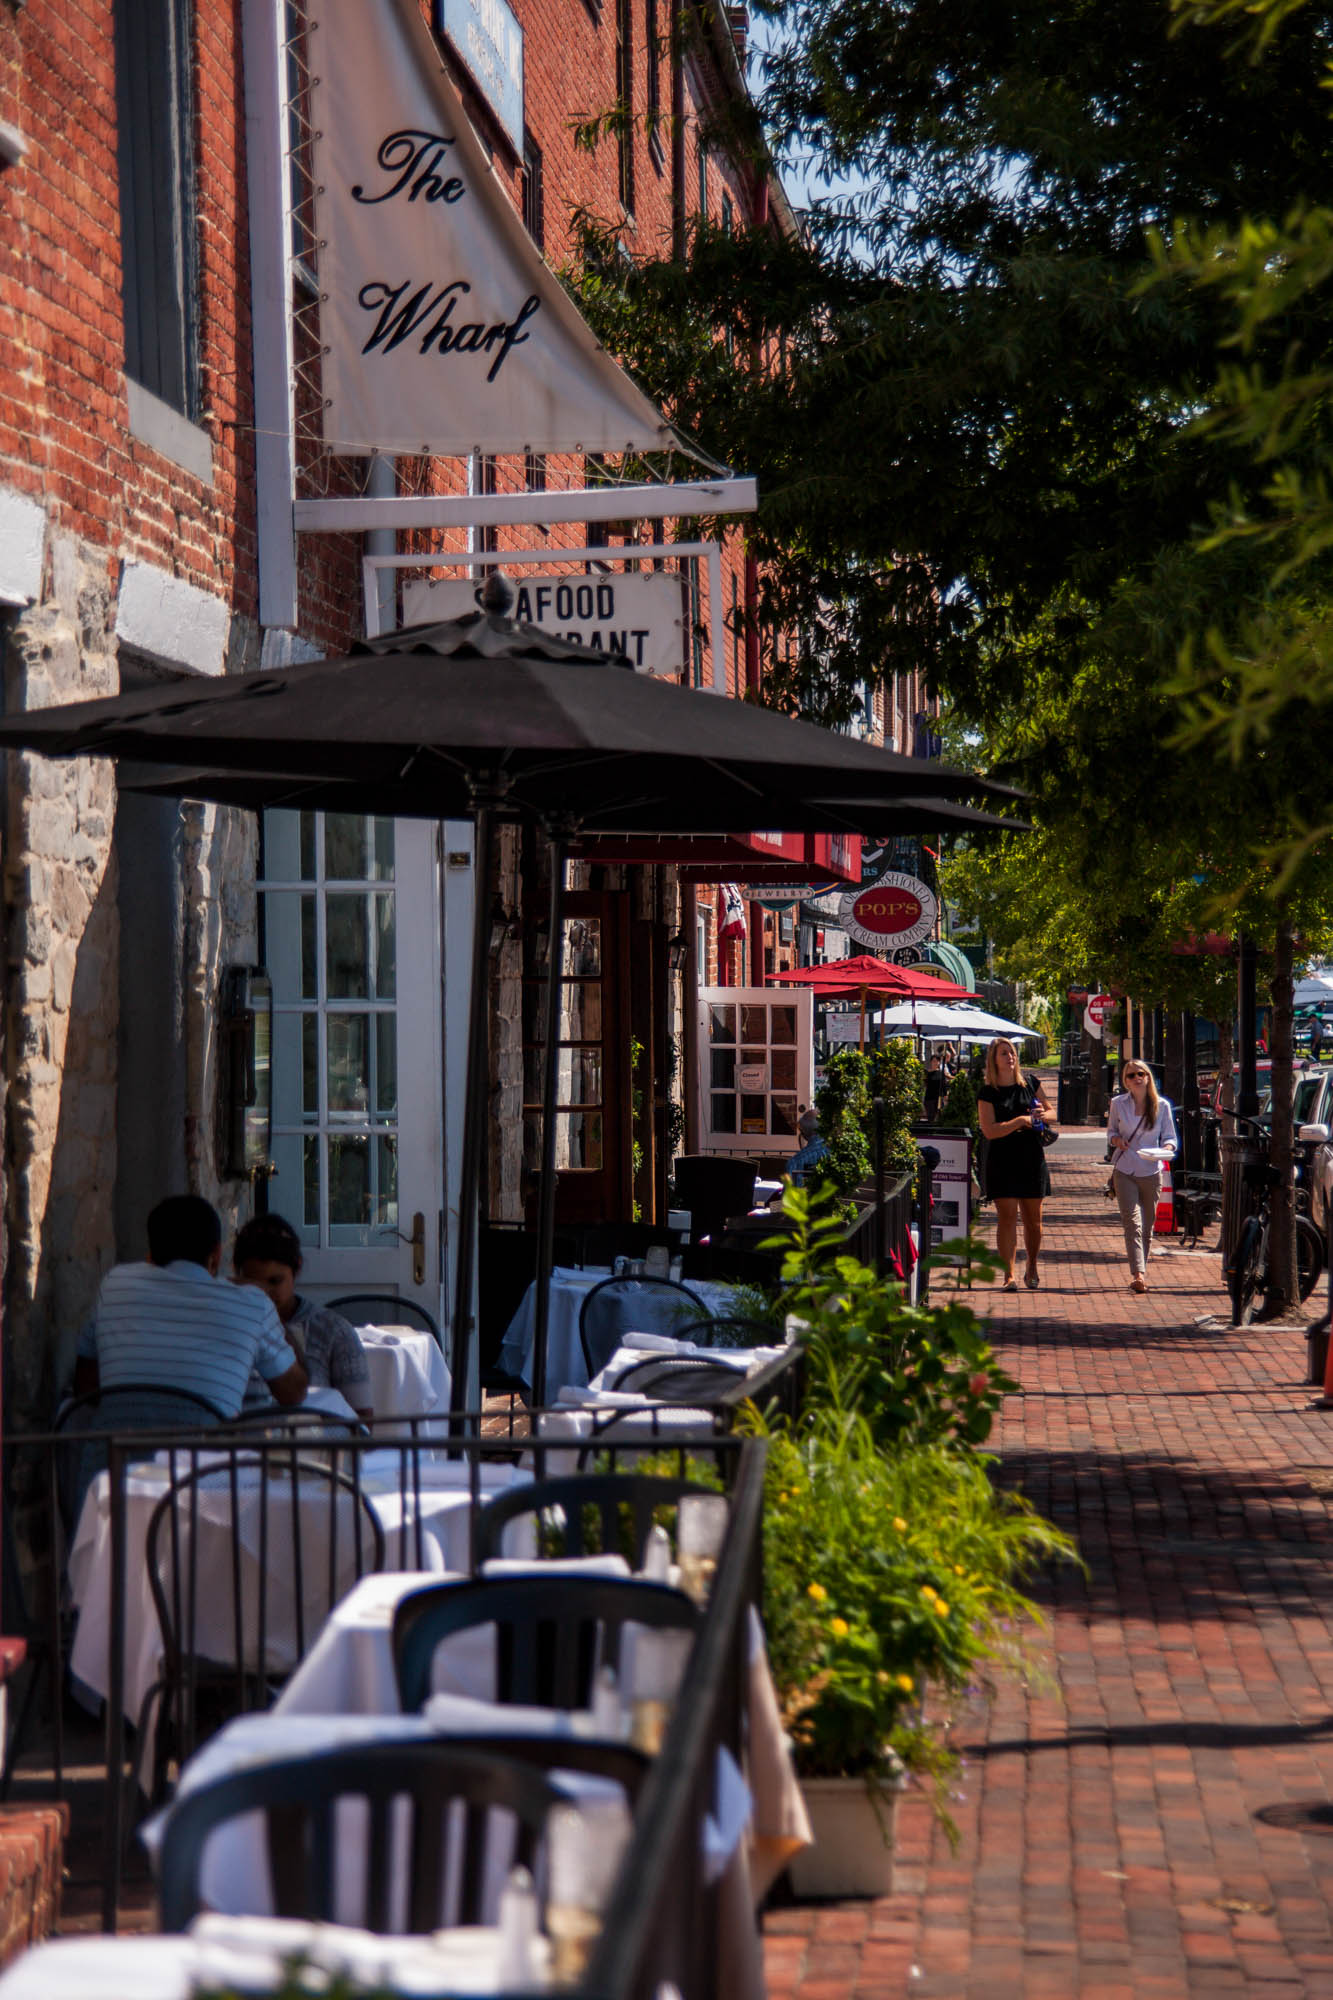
column 657, row 1556
column 518, row 1931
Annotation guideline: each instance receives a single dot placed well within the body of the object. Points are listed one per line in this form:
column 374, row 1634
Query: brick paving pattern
column 1121, row 1818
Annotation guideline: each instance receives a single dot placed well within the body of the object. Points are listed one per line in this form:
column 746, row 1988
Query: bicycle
column 1247, row 1276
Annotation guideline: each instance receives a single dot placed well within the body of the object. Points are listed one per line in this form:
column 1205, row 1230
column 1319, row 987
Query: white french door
column 353, row 915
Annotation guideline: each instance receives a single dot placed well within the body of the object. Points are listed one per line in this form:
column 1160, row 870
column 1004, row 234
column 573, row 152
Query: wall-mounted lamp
column 677, row 948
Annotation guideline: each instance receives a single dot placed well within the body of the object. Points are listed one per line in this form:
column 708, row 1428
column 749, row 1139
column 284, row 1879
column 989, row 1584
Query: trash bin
column 1232, row 1148
column 1072, row 1098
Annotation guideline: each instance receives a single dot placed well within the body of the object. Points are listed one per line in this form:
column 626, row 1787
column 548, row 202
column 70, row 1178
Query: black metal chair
column 238, row 1588
column 632, row 1305
column 551, row 1632
column 384, row 1309
column 300, row 1796
column 712, row 1187
column 682, row 1378
column 733, row 1266
column 731, row 1330
column 626, row 1504
column 129, row 1406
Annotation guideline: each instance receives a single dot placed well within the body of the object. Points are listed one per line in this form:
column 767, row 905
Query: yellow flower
column 817, row 1592
column 928, row 1591
column 906, row 1683
column 940, row 1608
column 900, row 1526
column 839, row 1627
column 958, row 1570
column 882, row 1678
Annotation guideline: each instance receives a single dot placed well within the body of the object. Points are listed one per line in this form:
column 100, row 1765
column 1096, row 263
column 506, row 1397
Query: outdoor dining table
column 409, row 1376
column 565, row 1366
column 443, row 1514
column 249, row 1955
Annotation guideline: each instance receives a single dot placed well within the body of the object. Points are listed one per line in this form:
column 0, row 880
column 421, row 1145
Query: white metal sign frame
column 372, row 565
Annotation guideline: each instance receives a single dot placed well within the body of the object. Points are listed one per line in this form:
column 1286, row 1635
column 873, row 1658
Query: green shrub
column 899, row 1077
column 882, row 1574
column 960, row 1103
column 916, row 1374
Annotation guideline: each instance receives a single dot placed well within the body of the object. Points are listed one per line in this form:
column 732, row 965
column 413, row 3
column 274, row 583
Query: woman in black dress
column 1017, row 1178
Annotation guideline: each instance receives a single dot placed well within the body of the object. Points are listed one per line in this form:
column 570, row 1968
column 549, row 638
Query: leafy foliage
column 960, row 1103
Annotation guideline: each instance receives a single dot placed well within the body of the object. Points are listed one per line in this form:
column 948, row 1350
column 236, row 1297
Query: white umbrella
column 1314, row 989
column 957, row 1024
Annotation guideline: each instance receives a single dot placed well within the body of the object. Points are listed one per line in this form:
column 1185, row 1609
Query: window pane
column 782, row 1069
column 289, row 945
column 724, row 1112
column 721, row 1024
column 293, row 1076
column 382, row 850
column 581, row 1011
column 783, row 1115
column 386, row 948
column 310, row 1152
column 386, row 1066
column 783, row 1028
column 344, row 847
column 578, row 1141
column 754, row 1114
column 309, row 1066
column 289, row 847
column 754, row 1025
column 348, row 970
column 583, row 946
column 349, row 1050
column 723, row 1069
column 578, row 1076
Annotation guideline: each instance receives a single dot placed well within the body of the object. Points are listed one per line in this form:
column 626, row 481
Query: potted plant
column 892, row 1564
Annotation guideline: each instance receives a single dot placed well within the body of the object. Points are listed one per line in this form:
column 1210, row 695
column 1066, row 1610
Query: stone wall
column 62, row 984
column 62, row 966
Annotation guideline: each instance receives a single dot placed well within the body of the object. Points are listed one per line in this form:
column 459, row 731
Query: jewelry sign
column 896, row 910
column 442, row 329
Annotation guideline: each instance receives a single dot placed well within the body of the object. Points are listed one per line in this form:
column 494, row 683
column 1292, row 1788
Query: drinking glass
column 585, row 1845
column 701, row 1527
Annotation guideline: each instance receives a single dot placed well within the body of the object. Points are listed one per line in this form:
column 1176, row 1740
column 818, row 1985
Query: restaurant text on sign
column 637, row 617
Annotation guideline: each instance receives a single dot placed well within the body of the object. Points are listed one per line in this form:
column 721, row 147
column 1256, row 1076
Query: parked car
column 1314, row 1126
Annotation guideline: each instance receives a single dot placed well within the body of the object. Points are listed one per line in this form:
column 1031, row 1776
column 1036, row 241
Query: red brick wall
column 63, row 415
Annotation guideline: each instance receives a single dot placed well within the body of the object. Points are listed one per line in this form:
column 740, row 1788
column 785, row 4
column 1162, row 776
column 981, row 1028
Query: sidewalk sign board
column 951, row 1183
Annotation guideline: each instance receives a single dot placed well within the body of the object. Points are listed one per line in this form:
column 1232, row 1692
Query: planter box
column 853, row 1849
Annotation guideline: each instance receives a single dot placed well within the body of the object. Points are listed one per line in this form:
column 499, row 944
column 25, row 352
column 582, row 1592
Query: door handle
column 418, row 1241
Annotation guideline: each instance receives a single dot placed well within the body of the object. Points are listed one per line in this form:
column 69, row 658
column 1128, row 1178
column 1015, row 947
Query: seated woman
column 268, row 1254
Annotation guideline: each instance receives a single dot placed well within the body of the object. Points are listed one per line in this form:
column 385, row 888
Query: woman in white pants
column 1138, row 1118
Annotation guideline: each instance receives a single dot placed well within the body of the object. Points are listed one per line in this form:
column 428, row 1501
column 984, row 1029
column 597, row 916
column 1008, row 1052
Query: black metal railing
column 256, row 1536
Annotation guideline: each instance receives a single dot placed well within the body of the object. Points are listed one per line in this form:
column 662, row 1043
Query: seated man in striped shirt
column 173, row 1323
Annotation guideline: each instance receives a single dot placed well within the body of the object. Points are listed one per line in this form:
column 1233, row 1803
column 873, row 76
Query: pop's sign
column 638, row 617
column 897, row 910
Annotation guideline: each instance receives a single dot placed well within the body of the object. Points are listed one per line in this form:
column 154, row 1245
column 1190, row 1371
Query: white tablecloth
column 409, row 1376
column 445, row 1517
column 564, row 1352
column 249, row 1954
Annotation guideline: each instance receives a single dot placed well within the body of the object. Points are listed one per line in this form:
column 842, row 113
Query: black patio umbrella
column 481, row 718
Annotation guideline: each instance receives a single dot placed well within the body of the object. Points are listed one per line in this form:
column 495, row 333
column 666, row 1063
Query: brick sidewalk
column 1112, row 1845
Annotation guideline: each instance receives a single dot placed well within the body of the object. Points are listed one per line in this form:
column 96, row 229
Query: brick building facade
column 129, row 547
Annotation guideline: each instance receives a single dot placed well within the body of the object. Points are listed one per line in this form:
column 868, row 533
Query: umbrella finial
column 498, row 595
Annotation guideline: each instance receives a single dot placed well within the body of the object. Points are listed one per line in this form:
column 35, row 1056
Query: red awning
column 798, row 858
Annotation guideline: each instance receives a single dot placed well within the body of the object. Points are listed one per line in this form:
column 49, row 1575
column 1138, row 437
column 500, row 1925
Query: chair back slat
column 300, row 1796
column 632, row 1305
column 547, row 1631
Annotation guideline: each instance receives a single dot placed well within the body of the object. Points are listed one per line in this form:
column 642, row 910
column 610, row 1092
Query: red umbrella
column 866, row 974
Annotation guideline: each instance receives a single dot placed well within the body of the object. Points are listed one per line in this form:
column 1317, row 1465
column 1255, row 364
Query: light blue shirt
column 178, row 1327
column 1120, row 1123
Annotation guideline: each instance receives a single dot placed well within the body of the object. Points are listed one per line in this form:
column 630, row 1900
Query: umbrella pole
column 558, row 837
column 863, row 1020
column 485, row 798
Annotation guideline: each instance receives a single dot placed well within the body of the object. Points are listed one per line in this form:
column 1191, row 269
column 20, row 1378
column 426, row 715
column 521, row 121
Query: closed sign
column 752, row 1076
column 897, row 910
column 638, row 617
